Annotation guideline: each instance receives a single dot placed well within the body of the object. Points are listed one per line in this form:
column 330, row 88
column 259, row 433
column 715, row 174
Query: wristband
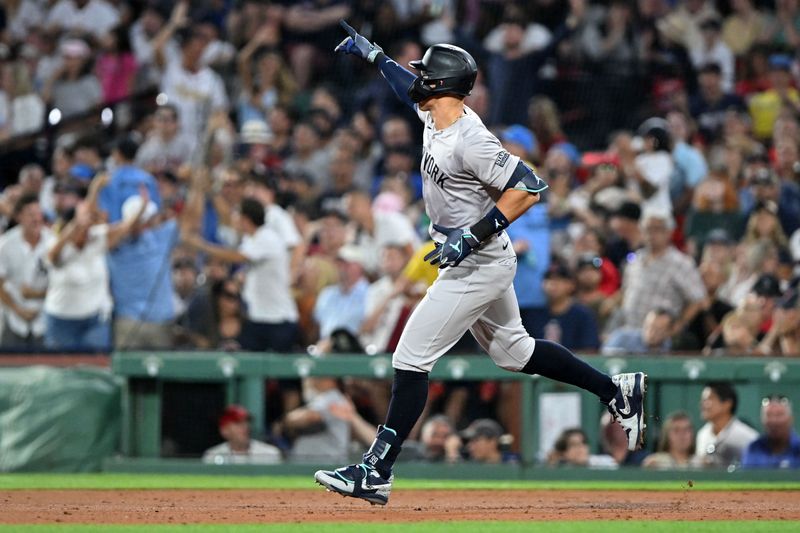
column 494, row 222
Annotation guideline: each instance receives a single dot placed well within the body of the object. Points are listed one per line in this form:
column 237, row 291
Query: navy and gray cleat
column 627, row 407
column 357, row 481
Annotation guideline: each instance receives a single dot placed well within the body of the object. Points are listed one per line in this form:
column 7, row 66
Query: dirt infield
column 276, row 506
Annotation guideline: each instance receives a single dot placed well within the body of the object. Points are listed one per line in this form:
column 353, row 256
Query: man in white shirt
column 195, row 90
column 239, row 448
column 654, row 167
column 376, row 230
column 271, row 311
column 23, row 278
column 724, row 438
column 97, row 17
column 385, row 302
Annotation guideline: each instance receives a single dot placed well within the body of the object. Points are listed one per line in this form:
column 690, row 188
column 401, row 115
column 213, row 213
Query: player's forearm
column 513, row 203
column 398, row 77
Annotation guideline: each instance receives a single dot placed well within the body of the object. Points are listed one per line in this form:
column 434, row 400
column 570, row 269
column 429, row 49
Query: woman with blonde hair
column 676, row 444
column 764, row 224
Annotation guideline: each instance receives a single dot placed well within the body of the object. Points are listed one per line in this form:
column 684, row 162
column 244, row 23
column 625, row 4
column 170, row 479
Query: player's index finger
column 348, row 28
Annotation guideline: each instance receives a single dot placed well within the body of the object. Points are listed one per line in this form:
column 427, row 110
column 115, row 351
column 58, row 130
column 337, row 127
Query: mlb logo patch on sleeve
column 502, row 158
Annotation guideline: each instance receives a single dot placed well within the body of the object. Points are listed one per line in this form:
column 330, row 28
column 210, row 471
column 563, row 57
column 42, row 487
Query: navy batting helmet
column 444, row 69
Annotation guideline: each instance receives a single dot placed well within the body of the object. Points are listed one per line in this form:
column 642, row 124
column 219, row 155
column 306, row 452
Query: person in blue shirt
column 779, row 446
column 564, row 320
column 125, row 181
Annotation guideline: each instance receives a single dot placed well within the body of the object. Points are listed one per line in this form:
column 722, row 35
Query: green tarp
column 58, row 419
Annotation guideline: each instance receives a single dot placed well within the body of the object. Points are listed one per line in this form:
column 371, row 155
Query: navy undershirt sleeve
column 399, row 78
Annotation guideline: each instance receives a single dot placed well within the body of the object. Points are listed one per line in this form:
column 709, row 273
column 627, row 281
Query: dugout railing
column 675, row 383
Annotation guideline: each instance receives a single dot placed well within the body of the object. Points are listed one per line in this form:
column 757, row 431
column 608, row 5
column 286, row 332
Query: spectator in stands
column 764, row 224
column 513, row 74
column 307, row 157
column 23, row 278
column 375, row 230
column 434, row 436
column 744, row 26
column 480, row 441
column 125, row 180
column 239, row 447
column 766, row 106
column 614, row 442
column 564, row 320
column 116, row 66
column 571, row 448
column 683, row 23
column 676, row 448
column 654, row 337
column 712, row 49
column 690, row 165
column 661, row 276
column 783, row 336
column 194, row 314
column 164, row 149
column 779, row 446
column 763, row 185
column 652, row 169
column 341, row 307
column 708, row 320
column 73, row 88
column 709, row 105
column 141, row 284
column 271, row 311
column 386, row 310
column 195, row 89
column 723, row 439
column 273, row 83
column 627, row 234
column 22, row 110
column 319, row 435
column 78, row 302
column 93, row 17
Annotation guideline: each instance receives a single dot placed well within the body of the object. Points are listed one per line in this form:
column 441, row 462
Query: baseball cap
column 352, row 254
column 710, row 68
column 520, row 135
column 81, row 171
column 718, row 236
column 768, row 286
column 558, row 269
column 255, row 132
column 629, row 210
column 483, row 427
column 780, row 62
column 233, row 413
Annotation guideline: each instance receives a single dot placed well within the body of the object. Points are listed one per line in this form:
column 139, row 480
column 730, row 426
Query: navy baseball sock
column 553, row 361
column 409, row 394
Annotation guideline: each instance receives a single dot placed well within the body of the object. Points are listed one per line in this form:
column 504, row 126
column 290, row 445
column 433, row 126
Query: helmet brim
column 416, row 64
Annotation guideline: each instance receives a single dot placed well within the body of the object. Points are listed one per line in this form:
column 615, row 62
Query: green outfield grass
column 188, row 481
column 433, row 527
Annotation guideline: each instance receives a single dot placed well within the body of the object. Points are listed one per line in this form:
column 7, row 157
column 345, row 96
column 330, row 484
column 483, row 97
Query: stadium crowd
column 210, row 175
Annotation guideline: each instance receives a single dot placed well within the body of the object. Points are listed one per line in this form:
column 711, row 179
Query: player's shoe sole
column 627, row 407
column 371, row 487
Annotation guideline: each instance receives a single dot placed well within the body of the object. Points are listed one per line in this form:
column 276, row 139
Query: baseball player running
column 473, row 189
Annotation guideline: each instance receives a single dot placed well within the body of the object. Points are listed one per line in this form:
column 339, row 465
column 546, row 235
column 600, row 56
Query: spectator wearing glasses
column 779, row 445
column 723, row 439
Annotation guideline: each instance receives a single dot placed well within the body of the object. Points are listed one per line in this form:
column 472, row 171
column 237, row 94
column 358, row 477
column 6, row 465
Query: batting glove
column 357, row 44
column 458, row 245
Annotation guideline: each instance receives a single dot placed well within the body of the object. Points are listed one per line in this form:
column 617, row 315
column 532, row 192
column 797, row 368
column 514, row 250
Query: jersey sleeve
column 486, row 159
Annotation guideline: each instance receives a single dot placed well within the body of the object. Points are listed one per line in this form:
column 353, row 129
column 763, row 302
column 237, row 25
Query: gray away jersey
column 464, row 172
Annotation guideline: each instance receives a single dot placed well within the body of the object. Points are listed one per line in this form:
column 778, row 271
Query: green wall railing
column 674, row 382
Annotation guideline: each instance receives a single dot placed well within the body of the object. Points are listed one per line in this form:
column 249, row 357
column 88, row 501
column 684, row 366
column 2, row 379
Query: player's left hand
column 458, row 245
column 357, row 44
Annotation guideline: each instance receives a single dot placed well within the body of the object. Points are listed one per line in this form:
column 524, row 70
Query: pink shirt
column 116, row 73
